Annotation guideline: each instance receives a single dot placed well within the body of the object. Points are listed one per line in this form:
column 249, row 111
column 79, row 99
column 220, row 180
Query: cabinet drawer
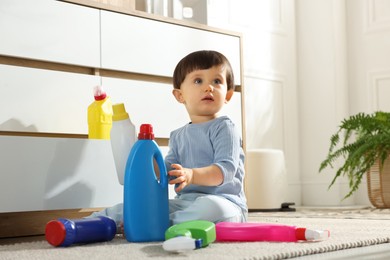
column 147, row 46
column 56, row 102
column 153, row 103
column 148, row 103
column 51, row 31
column 39, row 173
column 36, row 100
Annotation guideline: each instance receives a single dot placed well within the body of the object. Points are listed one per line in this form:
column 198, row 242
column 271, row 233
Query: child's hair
column 201, row 60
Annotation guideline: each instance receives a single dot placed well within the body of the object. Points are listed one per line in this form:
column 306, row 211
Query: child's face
column 204, row 92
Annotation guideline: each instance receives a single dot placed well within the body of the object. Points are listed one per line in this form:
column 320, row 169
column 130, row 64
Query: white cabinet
column 50, row 30
column 52, row 54
column 147, row 46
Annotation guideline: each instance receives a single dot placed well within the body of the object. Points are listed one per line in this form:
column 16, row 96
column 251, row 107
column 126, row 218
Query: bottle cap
column 119, row 112
column 311, row 235
column 55, row 233
column 300, row 233
column 62, row 232
column 146, row 132
column 181, row 244
column 99, row 93
column 315, row 235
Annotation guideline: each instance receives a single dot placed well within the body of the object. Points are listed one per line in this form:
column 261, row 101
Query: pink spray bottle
column 268, row 232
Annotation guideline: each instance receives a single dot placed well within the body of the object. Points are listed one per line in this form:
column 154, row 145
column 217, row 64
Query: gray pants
column 189, row 207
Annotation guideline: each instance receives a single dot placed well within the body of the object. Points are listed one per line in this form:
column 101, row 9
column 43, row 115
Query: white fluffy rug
column 348, row 229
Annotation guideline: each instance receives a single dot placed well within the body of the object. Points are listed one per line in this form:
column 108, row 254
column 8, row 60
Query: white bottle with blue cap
column 182, row 243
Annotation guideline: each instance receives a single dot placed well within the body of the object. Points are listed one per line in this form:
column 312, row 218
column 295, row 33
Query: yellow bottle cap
column 119, row 112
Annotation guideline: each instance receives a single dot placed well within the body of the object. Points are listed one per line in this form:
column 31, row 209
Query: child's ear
column 178, row 95
column 229, row 95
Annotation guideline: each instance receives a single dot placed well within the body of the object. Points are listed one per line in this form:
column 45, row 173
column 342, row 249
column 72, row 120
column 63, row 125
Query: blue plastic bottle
column 145, row 202
column 65, row 232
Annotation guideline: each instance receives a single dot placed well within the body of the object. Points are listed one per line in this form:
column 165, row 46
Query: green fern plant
column 361, row 140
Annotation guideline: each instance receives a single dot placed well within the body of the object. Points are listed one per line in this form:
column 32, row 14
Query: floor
column 8, row 241
column 381, row 251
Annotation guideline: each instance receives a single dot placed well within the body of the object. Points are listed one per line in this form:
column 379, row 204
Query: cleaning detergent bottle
column 123, row 136
column 100, row 115
column 189, row 235
column 65, row 232
column 145, row 202
column 269, row 232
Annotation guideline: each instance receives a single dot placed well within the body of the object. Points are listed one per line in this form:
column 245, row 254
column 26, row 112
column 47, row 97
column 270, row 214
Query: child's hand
column 184, row 176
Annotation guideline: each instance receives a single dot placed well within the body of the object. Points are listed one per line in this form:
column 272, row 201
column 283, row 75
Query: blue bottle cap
column 198, row 243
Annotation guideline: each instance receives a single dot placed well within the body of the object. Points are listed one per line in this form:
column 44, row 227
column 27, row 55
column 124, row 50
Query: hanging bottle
column 145, row 203
column 100, row 115
column 123, row 136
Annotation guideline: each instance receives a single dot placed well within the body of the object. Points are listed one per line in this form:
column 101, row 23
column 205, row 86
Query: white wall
column 368, row 51
column 323, row 93
column 307, row 65
column 343, row 70
column 270, row 77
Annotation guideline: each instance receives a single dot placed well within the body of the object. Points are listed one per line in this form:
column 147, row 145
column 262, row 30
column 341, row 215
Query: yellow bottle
column 100, row 115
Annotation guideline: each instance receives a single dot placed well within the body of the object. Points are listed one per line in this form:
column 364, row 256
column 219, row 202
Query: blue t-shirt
column 215, row 142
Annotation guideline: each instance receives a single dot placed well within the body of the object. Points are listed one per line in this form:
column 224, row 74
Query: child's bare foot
column 121, row 229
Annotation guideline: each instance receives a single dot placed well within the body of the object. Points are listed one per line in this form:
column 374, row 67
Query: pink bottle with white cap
column 269, row 232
